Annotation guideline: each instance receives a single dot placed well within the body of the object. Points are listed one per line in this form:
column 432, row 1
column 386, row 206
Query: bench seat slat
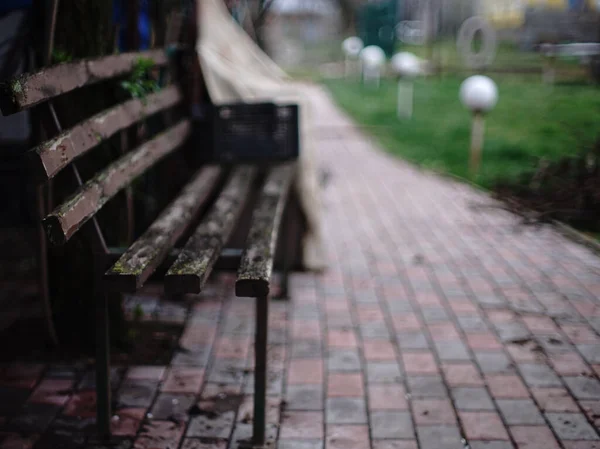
column 254, row 274
column 142, row 258
column 34, row 88
column 49, row 158
column 66, row 220
column 195, row 262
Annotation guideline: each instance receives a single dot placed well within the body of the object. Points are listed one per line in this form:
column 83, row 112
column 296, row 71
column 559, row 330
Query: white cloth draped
column 236, row 70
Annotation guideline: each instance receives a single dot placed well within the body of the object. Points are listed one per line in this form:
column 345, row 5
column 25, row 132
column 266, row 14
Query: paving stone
column 183, row 380
column 383, row 372
column 590, row 352
column 534, row 437
column 472, row 398
column 128, row 423
column 394, row 444
column 452, row 351
column 82, row 405
column 433, row 411
column 538, row 375
column 299, row 444
column 427, row 387
column 345, row 385
column 304, row 397
column 506, row 386
column 242, row 436
column 483, row 426
column 211, row 426
column 88, row 381
column 583, row 387
column 493, row 362
column 159, row 434
column 197, row 356
column 512, row 331
column 347, row 437
column 439, row 437
column 229, row 371
column 196, row 443
column 53, row 391
column 302, row 426
column 391, row 424
column 432, row 315
column 306, row 349
column 374, row 330
column 491, row 445
column 554, row 400
column 462, row 374
column 136, row 393
column 472, row 323
column 346, row 411
column 168, row 406
column 519, row 411
column 571, row 426
column 344, row 360
column 387, row 397
column 412, row 340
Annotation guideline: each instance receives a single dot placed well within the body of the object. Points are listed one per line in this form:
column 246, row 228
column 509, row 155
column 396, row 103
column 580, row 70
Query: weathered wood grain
column 196, row 260
column 33, row 88
column 49, row 158
column 66, row 219
column 254, row 274
column 142, row 258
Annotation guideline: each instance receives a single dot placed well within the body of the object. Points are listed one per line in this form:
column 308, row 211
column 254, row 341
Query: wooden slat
column 195, row 262
column 136, row 265
column 34, row 88
column 254, row 274
column 65, row 220
column 49, row 158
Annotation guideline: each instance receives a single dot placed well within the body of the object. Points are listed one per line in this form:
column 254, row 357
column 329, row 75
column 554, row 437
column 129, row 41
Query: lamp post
column 352, row 47
column 480, row 95
column 407, row 67
column 372, row 58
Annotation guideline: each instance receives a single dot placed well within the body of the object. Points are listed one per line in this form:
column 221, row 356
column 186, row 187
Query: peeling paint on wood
column 34, row 88
column 254, row 274
column 68, row 218
column 49, row 158
column 195, row 262
column 138, row 263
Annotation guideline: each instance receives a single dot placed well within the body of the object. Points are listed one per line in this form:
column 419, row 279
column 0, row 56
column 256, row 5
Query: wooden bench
column 188, row 239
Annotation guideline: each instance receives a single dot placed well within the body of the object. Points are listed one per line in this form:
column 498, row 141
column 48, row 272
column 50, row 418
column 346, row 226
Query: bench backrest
column 58, row 153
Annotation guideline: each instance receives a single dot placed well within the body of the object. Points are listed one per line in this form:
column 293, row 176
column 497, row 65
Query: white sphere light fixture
column 406, row 65
column 372, row 58
column 479, row 94
column 352, row 46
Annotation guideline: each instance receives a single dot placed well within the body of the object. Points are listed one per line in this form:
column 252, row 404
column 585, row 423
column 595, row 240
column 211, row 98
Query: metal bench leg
column 102, row 367
column 260, row 371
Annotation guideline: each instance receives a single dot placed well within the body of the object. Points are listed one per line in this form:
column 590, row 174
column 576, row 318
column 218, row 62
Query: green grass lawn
column 531, row 121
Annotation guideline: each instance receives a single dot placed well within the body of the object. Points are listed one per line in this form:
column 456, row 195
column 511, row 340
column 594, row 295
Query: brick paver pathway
column 441, row 324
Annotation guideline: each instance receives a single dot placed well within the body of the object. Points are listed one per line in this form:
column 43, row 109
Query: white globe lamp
column 372, row 58
column 407, row 66
column 480, row 95
column 351, row 47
